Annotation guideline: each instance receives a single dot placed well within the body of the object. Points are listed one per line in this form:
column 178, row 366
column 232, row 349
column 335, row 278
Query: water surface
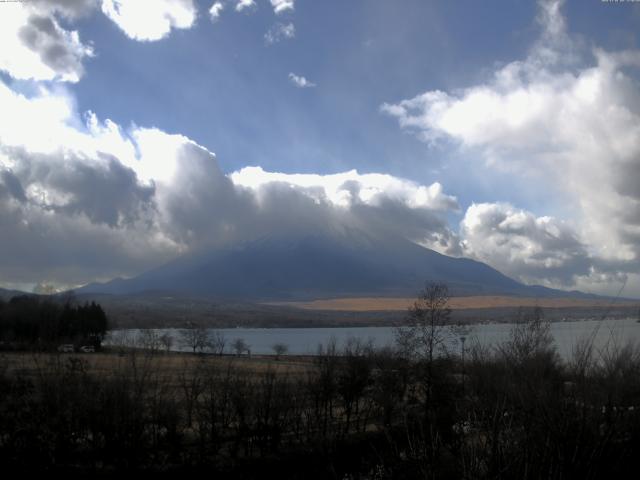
column 305, row 341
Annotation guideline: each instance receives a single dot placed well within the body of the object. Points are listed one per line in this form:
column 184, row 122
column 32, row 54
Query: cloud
column 524, row 246
column 68, row 205
column 242, row 5
column 59, row 49
column 279, row 32
column 84, row 199
column 281, row 6
column 351, row 188
column 300, row 81
column 150, row 20
column 564, row 117
column 71, row 9
column 103, row 190
column 374, row 203
column 35, row 45
column 216, row 10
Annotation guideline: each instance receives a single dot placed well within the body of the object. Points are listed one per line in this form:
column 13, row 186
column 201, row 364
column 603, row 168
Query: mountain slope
column 319, row 266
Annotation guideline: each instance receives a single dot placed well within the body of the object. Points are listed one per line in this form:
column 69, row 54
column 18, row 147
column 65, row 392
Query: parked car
column 87, row 349
column 66, row 348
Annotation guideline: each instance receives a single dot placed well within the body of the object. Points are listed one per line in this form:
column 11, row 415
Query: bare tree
column 195, row 338
column 427, row 322
column 167, row 341
column 427, row 331
column 217, row 342
column 149, row 340
column 280, row 349
column 240, row 346
column 530, row 337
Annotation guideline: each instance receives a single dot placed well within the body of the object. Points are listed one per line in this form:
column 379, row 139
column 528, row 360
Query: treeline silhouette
column 421, row 409
column 29, row 321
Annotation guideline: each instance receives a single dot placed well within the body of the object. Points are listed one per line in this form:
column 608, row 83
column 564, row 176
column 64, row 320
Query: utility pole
column 462, row 340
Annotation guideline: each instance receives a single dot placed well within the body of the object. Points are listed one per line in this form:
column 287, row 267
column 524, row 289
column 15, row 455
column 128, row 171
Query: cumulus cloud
column 99, row 201
column 281, row 6
column 566, row 117
column 279, row 32
column 103, row 190
column 84, row 199
column 35, row 45
column 150, row 20
column 68, row 206
column 300, row 81
column 522, row 245
column 373, row 203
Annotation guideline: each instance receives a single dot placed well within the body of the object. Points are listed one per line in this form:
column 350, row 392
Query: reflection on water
column 304, row 341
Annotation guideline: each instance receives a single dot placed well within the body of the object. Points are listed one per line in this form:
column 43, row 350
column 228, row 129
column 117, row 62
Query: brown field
column 172, row 365
column 378, row 304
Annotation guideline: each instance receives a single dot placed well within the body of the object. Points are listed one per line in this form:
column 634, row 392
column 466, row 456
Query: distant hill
column 7, row 294
column 336, row 265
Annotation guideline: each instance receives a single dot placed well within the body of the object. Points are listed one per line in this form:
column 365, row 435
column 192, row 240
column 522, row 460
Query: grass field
column 377, row 304
column 172, row 364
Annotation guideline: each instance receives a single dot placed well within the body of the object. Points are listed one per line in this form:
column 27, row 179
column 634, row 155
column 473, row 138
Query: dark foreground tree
column 33, row 320
column 427, row 330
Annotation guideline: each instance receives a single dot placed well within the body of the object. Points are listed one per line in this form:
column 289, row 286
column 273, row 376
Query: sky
column 133, row 132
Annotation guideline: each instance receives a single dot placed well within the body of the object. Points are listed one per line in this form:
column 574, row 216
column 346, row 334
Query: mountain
column 346, row 264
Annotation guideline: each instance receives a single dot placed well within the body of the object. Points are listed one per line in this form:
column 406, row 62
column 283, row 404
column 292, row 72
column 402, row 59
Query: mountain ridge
column 348, row 264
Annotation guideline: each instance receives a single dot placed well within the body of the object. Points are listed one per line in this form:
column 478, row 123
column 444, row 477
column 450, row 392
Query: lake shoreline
column 306, row 341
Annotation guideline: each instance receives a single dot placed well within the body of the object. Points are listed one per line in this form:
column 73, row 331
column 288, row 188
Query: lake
column 305, row 341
